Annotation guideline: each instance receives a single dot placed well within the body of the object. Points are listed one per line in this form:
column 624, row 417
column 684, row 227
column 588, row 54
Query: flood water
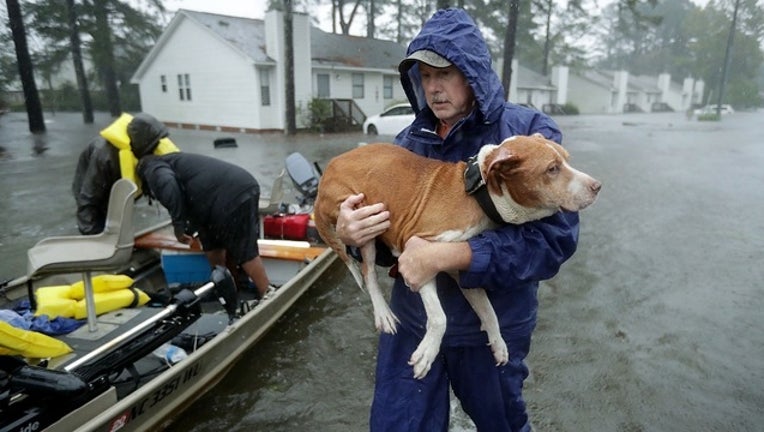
column 655, row 324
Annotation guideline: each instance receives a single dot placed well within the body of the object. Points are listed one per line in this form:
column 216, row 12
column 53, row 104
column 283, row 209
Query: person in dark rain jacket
column 213, row 198
column 459, row 104
column 98, row 168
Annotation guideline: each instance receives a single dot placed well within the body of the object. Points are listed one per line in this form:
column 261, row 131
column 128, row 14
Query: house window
column 163, row 81
column 265, row 87
column 184, row 87
column 387, row 90
column 322, row 81
column 357, row 86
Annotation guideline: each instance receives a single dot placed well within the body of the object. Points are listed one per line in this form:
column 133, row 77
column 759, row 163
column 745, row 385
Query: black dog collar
column 474, row 185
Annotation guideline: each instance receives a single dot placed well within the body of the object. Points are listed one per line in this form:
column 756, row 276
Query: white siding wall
column 232, row 101
column 560, row 76
column 590, row 98
column 274, row 39
column 374, row 102
column 675, row 97
column 537, row 98
column 275, row 116
column 303, row 86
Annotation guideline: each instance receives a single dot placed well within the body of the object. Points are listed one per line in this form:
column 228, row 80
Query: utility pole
column 726, row 65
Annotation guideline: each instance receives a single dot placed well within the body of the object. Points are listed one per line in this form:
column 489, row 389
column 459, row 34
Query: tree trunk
column 79, row 69
column 291, row 126
column 26, row 70
column 399, row 22
column 370, row 25
column 509, row 46
column 547, row 39
column 104, row 52
column 345, row 25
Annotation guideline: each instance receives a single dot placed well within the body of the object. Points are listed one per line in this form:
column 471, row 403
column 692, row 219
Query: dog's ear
column 500, row 163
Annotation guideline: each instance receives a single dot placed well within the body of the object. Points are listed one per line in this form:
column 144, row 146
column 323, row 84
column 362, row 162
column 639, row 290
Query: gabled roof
column 645, row 83
column 329, row 49
column 247, row 36
column 527, row 78
column 597, row 77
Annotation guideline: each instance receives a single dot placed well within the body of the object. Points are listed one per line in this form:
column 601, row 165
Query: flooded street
column 655, row 324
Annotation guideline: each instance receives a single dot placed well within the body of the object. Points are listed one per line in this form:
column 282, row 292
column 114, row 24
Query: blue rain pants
column 490, row 395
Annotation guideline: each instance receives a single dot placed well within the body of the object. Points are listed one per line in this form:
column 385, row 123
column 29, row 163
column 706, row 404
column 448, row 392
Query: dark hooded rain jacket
column 98, row 169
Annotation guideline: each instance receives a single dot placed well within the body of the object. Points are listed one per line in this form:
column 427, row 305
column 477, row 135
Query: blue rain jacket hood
column 453, row 34
column 508, row 262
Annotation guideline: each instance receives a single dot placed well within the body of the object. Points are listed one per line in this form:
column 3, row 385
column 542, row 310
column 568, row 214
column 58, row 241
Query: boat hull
column 157, row 401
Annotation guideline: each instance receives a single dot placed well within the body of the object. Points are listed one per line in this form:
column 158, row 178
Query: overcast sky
column 256, row 8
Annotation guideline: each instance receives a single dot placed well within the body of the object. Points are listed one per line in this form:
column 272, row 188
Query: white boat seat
column 84, row 254
column 271, row 204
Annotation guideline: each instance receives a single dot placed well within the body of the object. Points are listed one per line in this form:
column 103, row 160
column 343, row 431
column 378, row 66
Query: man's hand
column 181, row 236
column 422, row 260
column 358, row 224
column 416, row 264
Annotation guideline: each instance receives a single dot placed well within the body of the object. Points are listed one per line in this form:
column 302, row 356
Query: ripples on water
column 313, row 371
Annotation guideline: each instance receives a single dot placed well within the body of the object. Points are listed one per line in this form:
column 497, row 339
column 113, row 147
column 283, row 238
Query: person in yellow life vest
column 104, row 161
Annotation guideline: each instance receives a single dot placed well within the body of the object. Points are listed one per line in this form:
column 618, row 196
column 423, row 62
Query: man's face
column 448, row 94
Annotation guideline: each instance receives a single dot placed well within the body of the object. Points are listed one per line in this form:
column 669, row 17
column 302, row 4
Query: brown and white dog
column 524, row 178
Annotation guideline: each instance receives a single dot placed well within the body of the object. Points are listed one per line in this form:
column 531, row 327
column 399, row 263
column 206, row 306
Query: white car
column 711, row 109
column 390, row 121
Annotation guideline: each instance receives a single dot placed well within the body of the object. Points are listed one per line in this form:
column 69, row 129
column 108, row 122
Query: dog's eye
column 554, row 169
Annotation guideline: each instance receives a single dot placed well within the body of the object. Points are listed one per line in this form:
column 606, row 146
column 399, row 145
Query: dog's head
column 535, row 173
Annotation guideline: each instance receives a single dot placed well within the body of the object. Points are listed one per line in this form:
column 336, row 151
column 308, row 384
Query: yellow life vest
column 116, row 135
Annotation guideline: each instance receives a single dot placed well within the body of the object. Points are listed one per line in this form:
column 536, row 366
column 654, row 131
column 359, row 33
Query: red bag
column 286, row 226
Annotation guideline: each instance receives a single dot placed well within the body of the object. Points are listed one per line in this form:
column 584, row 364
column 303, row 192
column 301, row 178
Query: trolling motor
column 225, row 289
column 304, row 177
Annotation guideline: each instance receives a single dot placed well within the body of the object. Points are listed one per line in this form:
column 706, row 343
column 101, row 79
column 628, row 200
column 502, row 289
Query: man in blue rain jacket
column 459, row 104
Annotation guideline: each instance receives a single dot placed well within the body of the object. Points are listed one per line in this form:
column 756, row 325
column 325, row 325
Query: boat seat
column 271, row 204
column 109, row 250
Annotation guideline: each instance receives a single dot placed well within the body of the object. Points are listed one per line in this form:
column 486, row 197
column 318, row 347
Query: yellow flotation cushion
column 116, row 134
column 55, row 307
column 101, row 283
column 113, row 300
column 111, row 292
column 30, row 344
column 55, row 301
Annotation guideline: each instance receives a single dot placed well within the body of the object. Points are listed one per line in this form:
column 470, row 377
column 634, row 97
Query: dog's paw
column 421, row 360
column 500, row 351
column 386, row 322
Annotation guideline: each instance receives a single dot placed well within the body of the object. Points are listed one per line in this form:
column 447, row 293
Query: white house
column 612, row 92
column 218, row 72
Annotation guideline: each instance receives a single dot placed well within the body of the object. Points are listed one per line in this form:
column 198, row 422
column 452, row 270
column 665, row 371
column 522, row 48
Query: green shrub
column 319, row 113
column 708, row 117
column 570, row 109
